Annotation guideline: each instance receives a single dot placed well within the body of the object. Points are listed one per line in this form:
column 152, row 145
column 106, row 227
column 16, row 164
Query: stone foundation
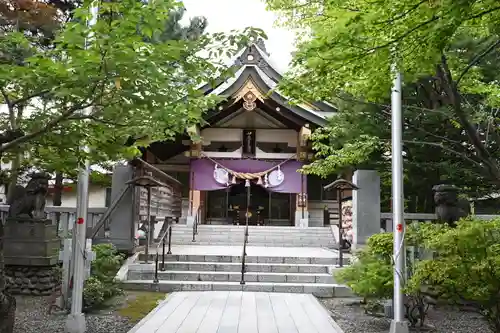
column 36, row 281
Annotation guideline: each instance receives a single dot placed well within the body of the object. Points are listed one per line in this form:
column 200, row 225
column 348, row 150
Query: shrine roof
column 253, row 66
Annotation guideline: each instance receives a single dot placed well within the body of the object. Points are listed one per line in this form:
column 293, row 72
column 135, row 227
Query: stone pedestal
column 190, row 221
column 31, row 250
column 365, row 206
column 301, row 222
column 36, row 281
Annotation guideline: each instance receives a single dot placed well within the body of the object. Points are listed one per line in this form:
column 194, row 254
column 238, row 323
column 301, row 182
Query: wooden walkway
column 238, row 312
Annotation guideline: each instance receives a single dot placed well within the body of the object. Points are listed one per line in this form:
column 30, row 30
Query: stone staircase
column 294, row 270
column 279, row 259
column 258, row 236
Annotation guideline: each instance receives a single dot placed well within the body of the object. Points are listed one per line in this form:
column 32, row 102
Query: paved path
column 238, row 312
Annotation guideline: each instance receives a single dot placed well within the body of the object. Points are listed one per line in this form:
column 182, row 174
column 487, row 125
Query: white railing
column 67, row 217
column 386, row 218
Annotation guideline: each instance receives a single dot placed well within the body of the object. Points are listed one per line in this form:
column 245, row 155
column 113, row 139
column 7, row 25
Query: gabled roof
column 254, row 67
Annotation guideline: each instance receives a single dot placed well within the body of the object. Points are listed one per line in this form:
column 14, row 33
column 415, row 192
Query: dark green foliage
column 101, row 285
column 370, row 274
column 466, row 267
column 448, row 53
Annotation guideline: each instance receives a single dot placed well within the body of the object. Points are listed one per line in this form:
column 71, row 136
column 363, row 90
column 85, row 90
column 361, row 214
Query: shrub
column 466, row 267
column 371, row 275
column 107, row 262
column 93, row 293
column 101, row 285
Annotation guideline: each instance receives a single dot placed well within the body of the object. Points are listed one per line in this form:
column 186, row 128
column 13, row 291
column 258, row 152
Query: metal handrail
column 245, row 238
column 195, row 223
column 168, row 231
column 170, row 179
column 243, row 256
column 110, row 210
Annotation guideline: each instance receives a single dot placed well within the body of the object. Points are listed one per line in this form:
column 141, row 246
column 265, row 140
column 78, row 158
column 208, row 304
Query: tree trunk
column 7, row 301
column 57, row 198
column 14, row 175
column 449, row 86
column 58, row 187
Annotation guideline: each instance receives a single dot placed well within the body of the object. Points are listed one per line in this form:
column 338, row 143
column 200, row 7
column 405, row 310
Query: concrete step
column 258, row 236
column 239, row 241
column 233, row 227
column 317, row 289
column 236, row 228
column 236, row 267
column 209, row 276
column 249, row 259
column 241, row 233
column 202, row 229
column 252, row 234
column 283, row 244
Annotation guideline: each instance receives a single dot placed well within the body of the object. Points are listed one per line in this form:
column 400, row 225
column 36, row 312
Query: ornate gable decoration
column 249, row 93
column 251, row 56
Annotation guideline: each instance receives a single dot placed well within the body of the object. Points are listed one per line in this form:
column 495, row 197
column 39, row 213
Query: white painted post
column 65, row 256
column 90, row 256
column 75, row 322
column 63, row 225
column 398, row 324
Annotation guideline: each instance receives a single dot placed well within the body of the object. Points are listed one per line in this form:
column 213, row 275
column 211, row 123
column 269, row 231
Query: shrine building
column 252, row 146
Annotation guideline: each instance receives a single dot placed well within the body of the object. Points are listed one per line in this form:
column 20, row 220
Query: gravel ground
column 32, row 317
column 352, row 319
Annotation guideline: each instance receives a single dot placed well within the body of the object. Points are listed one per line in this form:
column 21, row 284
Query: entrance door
column 265, row 207
column 255, row 199
column 281, row 209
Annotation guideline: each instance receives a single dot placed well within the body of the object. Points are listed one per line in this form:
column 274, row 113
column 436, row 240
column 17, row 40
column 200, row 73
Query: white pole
column 76, row 319
column 398, row 324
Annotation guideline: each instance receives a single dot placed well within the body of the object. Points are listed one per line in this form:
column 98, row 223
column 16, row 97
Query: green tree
column 465, row 267
column 446, row 51
column 120, row 86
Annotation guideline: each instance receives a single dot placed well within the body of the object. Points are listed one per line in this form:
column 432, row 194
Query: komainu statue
column 449, row 208
column 29, row 201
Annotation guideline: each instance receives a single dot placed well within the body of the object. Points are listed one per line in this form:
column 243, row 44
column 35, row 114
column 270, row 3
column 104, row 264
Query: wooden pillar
column 301, row 203
column 347, row 176
column 194, row 152
column 149, row 157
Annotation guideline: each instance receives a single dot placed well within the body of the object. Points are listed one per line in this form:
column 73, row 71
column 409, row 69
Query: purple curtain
column 203, row 174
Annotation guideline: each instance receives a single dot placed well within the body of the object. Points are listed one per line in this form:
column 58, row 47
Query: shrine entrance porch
column 264, row 207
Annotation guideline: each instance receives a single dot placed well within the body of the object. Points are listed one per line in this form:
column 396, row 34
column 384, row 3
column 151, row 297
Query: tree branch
column 50, row 125
column 439, row 145
column 64, row 116
column 400, row 16
column 478, row 15
column 404, row 35
column 477, row 59
column 444, row 73
column 94, row 118
column 12, row 116
column 27, row 98
column 6, row 97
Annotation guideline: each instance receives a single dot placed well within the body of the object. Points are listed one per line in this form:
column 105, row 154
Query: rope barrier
column 248, row 175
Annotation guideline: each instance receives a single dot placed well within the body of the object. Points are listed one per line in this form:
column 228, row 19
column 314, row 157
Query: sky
column 226, row 15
